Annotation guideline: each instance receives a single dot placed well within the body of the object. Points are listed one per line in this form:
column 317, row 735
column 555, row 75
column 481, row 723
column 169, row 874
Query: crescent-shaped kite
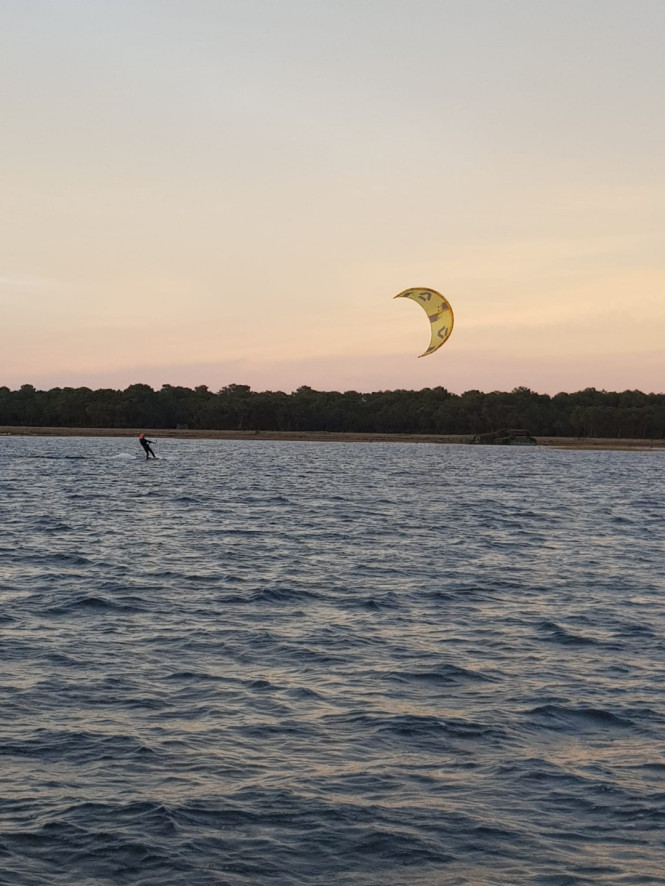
column 439, row 313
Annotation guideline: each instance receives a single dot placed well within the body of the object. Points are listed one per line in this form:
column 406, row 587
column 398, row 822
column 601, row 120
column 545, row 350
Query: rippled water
column 294, row 663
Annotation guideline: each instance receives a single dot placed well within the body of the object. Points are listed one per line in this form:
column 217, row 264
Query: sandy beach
column 324, row 436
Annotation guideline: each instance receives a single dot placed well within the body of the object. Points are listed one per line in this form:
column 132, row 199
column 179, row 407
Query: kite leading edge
column 439, row 313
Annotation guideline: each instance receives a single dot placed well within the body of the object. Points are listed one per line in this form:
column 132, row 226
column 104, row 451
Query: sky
column 232, row 191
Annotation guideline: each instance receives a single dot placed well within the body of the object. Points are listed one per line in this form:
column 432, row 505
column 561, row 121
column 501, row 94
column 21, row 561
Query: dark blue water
column 293, row 663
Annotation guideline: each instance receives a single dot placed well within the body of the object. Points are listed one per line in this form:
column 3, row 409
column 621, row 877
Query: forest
column 587, row 413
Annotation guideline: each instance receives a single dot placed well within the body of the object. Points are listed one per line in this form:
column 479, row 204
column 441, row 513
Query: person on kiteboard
column 146, row 446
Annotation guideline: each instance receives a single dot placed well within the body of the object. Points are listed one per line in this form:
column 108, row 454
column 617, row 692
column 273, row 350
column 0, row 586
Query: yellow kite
column 439, row 313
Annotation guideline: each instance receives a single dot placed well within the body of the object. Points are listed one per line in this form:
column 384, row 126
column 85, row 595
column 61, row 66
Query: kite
column 439, row 313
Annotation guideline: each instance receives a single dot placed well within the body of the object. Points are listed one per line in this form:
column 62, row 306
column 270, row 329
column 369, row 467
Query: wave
column 444, row 675
column 83, row 602
column 558, row 634
column 569, row 718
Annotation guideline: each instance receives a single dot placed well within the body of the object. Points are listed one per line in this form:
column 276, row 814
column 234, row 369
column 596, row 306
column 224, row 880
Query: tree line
column 587, row 413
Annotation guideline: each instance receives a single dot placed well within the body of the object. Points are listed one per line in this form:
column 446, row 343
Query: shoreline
column 582, row 443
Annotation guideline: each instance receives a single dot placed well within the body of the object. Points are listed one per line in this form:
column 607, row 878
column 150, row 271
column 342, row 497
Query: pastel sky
column 232, row 191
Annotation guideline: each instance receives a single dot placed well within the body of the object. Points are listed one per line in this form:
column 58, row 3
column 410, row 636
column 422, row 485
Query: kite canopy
column 439, row 313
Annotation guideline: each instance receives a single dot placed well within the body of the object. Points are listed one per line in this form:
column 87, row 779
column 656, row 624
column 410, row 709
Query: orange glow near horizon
column 190, row 201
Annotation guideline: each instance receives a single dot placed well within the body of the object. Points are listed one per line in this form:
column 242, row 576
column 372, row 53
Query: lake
column 257, row 662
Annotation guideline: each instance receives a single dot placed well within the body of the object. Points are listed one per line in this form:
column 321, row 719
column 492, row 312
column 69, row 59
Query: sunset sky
column 232, row 191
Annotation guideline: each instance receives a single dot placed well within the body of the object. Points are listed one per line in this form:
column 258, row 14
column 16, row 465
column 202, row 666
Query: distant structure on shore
column 506, row 437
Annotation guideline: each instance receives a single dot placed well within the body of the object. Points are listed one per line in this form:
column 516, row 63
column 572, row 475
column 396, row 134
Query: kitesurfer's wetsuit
column 147, row 447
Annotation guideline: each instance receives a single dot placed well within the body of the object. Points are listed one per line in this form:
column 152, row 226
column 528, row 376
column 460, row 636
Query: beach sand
column 323, row 436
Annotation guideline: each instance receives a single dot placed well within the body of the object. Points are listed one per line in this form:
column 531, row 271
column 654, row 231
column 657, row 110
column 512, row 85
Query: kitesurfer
column 146, row 446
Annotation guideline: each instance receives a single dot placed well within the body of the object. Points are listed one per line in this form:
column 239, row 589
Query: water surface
column 310, row 663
